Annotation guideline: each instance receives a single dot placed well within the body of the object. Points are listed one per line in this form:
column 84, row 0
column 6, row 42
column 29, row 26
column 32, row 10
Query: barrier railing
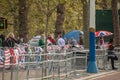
column 52, row 65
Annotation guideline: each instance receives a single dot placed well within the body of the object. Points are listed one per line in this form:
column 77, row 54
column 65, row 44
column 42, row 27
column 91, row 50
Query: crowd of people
column 10, row 46
column 60, row 41
column 10, row 41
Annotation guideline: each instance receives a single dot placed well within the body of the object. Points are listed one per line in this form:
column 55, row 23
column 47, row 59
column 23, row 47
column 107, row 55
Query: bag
column 115, row 57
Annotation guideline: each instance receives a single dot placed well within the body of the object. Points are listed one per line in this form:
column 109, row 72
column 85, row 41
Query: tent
column 73, row 34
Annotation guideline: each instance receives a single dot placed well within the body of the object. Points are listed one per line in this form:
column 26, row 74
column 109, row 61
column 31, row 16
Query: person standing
column 2, row 40
column 10, row 43
column 10, row 40
column 60, row 42
column 101, row 42
column 81, row 41
column 73, row 42
column 51, row 39
column 41, row 42
column 111, row 53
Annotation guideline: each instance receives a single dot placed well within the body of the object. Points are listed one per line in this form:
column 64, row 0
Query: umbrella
column 102, row 33
column 73, row 34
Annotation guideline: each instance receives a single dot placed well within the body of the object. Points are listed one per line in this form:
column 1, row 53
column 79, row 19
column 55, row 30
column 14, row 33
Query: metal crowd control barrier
column 117, row 52
column 52, row 65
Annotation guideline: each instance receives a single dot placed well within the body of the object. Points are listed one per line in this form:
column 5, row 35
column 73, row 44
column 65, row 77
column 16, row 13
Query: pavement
column 77, row 75
column 101, row 75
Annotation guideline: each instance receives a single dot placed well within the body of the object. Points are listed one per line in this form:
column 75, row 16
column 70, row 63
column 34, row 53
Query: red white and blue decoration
column 103, row 33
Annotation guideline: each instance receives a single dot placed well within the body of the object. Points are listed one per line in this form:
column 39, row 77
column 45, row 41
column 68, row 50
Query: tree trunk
column 15, row 24
column 47, row 24
column 60, row 19
column 116, row 22
column 86, row 23
column 23, row 28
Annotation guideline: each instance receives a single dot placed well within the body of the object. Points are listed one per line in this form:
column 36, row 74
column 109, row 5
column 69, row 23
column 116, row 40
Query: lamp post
column 92, row 66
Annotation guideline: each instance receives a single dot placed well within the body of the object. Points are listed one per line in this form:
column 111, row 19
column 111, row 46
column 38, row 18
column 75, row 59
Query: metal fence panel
column 52, row 65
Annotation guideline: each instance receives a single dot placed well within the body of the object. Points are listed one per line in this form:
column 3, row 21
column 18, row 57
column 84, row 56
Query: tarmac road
column 107, row 75
column 111, row 76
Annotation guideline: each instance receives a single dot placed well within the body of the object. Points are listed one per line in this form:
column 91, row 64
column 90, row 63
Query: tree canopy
column 37, row 12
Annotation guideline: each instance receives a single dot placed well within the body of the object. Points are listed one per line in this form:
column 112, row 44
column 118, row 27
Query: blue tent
column 73, row 34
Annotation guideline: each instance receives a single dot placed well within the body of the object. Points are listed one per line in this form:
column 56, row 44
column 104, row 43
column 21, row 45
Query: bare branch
column 40, row 6
column 51, row 11
column 46, row 12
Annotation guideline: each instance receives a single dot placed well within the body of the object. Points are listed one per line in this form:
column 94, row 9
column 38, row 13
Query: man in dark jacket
column 111, row 53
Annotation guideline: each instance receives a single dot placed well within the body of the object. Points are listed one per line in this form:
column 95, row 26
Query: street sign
column 3, row 23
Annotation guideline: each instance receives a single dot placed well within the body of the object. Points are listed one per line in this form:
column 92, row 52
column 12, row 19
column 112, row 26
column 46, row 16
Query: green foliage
column 62, row 1
column 100, row 4
column 37, row 11
column 74, row 15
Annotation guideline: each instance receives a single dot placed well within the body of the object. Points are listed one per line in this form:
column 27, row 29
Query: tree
column 103, row 4
column 116, row 22
column 86, row 22
column 36, row 15
column 45, row 7
column 13, row 8
column 60, row 19
column 23, row 28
